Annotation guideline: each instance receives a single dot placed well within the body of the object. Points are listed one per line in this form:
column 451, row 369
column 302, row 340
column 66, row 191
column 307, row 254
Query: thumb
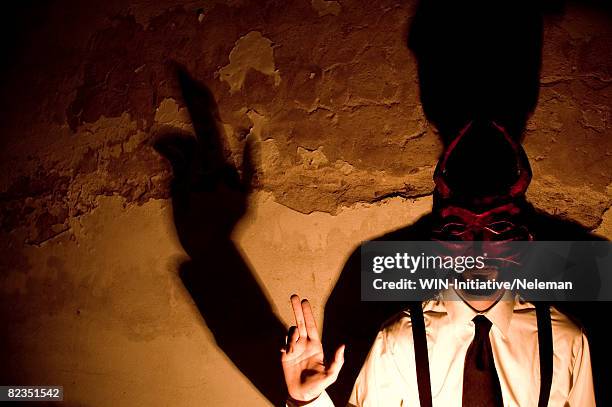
column 336, row 364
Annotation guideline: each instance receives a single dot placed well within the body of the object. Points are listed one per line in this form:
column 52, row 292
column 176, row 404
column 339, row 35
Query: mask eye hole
column 454, row 228
column 502, row 226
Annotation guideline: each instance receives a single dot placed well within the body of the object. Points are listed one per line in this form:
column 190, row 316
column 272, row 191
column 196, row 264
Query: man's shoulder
column 397, row 330
column 565, row 328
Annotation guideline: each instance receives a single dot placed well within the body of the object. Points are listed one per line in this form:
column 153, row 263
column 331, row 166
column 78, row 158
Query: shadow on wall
column 477, row 60
column 209, row 196
column 463, row 75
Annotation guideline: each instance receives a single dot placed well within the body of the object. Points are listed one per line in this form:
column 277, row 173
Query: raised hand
column 306, row 373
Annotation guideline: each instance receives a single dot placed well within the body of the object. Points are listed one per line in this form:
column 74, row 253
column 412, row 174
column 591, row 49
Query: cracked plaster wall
column 328, row 92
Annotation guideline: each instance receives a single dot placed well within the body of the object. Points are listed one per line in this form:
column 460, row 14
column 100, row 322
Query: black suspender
column 545, row 346
column 421, row 358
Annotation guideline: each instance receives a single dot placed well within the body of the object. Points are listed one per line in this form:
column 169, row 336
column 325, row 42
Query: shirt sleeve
column 582, row 393
column 322, row 401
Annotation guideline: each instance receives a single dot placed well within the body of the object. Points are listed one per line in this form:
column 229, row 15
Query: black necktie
column 480, row 382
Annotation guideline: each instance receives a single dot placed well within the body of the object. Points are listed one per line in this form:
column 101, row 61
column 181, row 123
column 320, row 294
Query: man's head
column 479, row 201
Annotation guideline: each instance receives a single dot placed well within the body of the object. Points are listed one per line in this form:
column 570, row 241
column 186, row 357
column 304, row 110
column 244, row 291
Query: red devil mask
column 485, row 202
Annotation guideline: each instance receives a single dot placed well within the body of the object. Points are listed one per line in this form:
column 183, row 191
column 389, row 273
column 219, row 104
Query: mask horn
column 519, row 187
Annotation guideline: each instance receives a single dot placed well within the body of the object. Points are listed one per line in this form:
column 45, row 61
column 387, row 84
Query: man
column 481, row 353
column 475, row 60
column 462, row 348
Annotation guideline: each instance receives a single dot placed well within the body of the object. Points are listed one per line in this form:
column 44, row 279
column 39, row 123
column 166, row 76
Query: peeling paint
column 324, row 7
column 252, row 51
column 169, row 113
column 582, row 204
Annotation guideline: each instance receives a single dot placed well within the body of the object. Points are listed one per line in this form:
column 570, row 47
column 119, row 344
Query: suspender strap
column 420, row 354
column 545, row 343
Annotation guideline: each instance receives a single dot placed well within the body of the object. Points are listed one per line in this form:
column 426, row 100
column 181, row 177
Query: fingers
column 292, row 338
column 299, row 316
column 336, row 364
column 311, row 325
column 304, row 318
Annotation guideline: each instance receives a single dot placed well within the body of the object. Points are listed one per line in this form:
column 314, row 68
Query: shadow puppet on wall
column 471, row 69
column 209, row 196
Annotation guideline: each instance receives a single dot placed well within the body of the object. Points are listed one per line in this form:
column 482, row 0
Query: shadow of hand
column 209, row 196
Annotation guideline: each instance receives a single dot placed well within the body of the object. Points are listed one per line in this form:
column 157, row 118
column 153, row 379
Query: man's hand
column 306, row 373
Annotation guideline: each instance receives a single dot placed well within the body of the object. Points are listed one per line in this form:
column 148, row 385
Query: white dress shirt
column 388, row 376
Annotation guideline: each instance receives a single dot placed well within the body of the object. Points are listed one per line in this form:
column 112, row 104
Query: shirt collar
column 460, row 313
